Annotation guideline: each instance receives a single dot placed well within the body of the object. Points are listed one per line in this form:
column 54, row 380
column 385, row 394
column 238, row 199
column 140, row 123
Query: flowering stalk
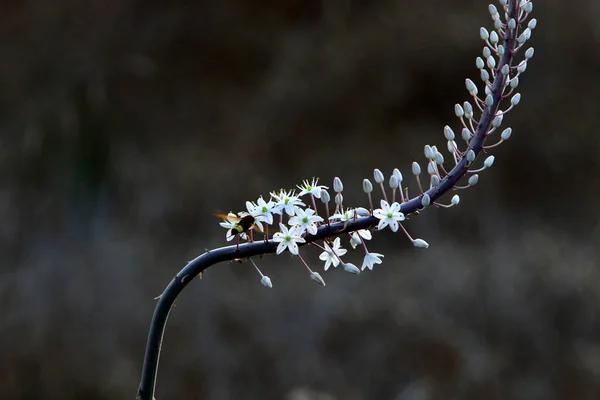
column 304, row 224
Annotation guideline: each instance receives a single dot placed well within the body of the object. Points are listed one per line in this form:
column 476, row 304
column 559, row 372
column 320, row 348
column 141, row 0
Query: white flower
column 230, row 224
column 264, row 211
column 306, row 220
column 331, row 254
column 288, row 239
column 312, row 188
column 355, row 237
column 287, row 201
column 389, row 215
column 370, row 259
column 347, row 215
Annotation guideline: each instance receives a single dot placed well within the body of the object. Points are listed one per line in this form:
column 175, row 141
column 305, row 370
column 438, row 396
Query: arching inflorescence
column 296, row 216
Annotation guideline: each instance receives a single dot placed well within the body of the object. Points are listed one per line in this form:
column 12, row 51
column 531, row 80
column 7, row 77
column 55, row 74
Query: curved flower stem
column 212, row 257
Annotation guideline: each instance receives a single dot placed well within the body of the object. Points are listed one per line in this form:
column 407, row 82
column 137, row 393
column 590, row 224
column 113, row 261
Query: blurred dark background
column 125, row 124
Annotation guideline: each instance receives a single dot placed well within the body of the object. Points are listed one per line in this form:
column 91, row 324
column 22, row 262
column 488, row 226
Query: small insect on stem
column 240, row 225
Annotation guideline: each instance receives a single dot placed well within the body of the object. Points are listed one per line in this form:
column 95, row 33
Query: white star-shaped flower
column 361, row 233
column 370, row 259
column 230, row 224
column 287, row 201
column 332, row 255
column 389, row 215
column 347, row 215
column 263, row 211
column 288, row 239
column 312, row 188
column 306, row 220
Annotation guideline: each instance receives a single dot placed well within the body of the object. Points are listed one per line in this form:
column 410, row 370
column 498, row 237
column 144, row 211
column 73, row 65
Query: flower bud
column 494, row 37
column 378, row 176
column 266, row 281
column 485, row 76
column 353, row 269
column 367, row 186
column 428, row 152
column 416, row 168
column 468, row 109
column 448, row 133
column 470, row 155
column 420, row 243
column 489, row 161
column 315, row 276
column 425, row 200
column 439, row 158
column 471, row 88
column 497, row 121
column 393, row 182
column 466, row 134
column 532, row 24
column 529, row 53
column 483, row 33
column 398, row 175
column 430, row 168
column 455, row 200
column 515, row 99
column 505, row 135
column 325, row 198
column 339, row 199
column 473, row 180
column 479, row 63
column 362, row 212
column 338, row 186
column 451, row 146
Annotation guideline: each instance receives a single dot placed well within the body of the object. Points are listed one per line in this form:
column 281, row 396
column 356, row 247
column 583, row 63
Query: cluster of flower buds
column 297, row 217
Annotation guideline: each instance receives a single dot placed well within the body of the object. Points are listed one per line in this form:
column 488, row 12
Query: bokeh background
column 125, row 124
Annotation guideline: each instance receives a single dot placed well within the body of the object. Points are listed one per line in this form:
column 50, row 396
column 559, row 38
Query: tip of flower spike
column 266, row 281
column 353, row 269
column 315, row 276
column 420, row 243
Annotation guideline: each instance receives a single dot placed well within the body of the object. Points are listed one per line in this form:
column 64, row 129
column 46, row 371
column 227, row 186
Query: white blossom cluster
column 296, row 215
column 288, row 210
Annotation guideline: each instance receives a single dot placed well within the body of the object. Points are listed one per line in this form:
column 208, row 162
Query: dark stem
column 212, row 257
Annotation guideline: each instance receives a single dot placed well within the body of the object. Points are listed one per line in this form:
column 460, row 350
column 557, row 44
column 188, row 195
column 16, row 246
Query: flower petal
column 281, row 247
